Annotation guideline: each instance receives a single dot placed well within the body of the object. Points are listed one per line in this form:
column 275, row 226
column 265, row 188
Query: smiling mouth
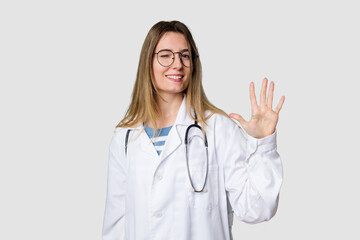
column 174, row 76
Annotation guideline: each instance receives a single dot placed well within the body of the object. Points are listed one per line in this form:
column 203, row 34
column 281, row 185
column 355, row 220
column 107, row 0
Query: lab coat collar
column 174, row 139
column 182, row 118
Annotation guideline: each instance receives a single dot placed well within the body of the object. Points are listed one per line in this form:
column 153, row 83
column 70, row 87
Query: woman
column 166, row 181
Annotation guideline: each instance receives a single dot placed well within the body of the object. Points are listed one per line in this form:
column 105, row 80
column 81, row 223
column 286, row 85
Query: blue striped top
column 158, row 141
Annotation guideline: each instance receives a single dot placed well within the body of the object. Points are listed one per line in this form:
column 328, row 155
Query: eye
column 165, row 55
column 185, row 56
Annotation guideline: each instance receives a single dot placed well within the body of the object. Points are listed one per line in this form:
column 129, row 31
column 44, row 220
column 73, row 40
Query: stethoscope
column 187, row 158
column 196, row 125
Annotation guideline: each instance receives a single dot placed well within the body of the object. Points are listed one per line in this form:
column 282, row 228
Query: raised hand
column 263, row 118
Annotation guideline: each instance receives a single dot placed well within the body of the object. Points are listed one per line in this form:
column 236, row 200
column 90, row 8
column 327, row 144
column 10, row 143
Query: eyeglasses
column 166, row 57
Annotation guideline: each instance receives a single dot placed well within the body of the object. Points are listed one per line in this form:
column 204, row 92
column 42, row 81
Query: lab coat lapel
column 146, row 145
column 175, row 138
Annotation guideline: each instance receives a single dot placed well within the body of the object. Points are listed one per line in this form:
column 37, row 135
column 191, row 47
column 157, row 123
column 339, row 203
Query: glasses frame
column 173, row 59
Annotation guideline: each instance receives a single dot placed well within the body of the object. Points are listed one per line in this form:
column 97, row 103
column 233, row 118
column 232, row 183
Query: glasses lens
column 165, row 57
column 185, row 58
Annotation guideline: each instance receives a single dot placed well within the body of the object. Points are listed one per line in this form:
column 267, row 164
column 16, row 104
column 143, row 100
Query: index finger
column 252, row 97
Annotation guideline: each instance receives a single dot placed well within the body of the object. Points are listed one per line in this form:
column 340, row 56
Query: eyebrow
column 184, row 50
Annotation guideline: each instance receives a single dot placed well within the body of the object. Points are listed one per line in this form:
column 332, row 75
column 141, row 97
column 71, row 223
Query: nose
column 177, row 61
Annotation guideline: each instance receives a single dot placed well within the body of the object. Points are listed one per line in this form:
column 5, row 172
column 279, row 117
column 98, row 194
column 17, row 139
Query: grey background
column 67, row 69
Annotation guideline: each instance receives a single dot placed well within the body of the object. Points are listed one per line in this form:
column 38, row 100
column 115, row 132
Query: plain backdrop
column 67, row 69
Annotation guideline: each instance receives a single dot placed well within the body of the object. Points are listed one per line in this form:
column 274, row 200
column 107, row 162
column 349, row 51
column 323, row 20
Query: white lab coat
column 149, row 197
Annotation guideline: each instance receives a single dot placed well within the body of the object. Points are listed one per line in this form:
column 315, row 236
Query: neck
column 168, row 108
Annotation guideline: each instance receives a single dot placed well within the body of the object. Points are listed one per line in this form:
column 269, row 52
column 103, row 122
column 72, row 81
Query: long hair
column 143, row 106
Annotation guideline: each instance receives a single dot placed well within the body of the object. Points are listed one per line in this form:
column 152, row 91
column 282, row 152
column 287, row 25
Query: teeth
column 175, row 77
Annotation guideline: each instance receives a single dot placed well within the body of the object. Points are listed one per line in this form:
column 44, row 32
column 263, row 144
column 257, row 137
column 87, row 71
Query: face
column 173, row 79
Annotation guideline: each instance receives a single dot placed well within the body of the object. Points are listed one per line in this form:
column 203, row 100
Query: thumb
column 239, row 118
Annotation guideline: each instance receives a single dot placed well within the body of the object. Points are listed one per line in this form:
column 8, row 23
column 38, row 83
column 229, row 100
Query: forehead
column 173, row 41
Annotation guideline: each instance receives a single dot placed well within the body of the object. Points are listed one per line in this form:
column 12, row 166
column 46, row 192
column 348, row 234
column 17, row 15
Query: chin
column 172, row 90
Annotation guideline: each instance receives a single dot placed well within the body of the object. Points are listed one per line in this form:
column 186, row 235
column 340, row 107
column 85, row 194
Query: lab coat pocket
column 208, row 199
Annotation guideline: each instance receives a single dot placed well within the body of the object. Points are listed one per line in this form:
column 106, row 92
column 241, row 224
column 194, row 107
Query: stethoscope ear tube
column 126, row 140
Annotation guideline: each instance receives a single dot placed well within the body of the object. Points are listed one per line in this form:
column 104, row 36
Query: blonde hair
column 143, row 106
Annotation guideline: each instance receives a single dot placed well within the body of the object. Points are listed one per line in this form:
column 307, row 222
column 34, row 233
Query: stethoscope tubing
column 186, row 154
column 187, row 158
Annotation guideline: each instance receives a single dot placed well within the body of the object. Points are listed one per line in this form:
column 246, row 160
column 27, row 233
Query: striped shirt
column 158, row 141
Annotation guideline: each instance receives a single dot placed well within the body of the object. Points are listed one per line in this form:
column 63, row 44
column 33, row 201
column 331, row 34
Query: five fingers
column 263, row 101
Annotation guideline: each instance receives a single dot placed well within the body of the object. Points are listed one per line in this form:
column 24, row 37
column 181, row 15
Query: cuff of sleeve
column 263, row 144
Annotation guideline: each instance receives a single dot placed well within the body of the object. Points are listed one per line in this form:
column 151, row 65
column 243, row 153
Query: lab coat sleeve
column 113, row 225
column 253, row 174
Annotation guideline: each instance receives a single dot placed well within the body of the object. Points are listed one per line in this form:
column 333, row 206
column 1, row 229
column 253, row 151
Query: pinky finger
column 279, row 106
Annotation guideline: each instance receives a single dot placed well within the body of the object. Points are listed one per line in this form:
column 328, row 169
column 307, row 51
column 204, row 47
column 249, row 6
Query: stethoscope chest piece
column 193, row 190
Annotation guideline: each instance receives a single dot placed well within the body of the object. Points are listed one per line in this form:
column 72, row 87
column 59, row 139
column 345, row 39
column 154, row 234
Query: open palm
column 263, row 118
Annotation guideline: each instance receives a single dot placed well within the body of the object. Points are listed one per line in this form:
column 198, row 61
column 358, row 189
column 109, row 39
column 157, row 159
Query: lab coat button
column 159, row 177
